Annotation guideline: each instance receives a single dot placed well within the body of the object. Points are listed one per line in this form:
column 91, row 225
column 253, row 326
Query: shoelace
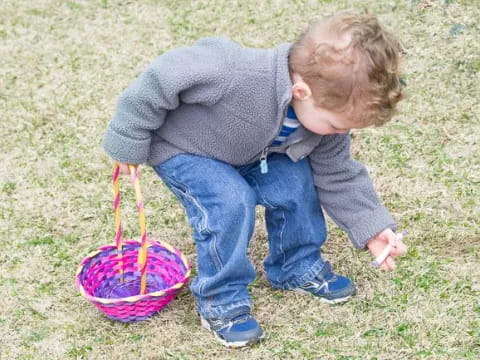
column 316, row 285
column 220, row 325
column 321, row 283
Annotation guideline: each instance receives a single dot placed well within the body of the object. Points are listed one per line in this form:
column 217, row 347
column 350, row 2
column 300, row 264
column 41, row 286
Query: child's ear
column 301, row 91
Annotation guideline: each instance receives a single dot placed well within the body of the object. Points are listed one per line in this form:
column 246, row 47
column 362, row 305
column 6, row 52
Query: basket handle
column 142, row 255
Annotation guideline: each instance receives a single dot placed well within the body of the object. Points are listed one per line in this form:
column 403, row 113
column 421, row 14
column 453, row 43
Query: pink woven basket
column 132, row 280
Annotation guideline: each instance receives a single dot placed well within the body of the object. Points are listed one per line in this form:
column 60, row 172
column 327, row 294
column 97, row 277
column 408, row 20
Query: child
column 227, row 128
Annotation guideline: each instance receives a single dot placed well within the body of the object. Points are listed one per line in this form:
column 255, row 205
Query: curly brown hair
column 351, row 64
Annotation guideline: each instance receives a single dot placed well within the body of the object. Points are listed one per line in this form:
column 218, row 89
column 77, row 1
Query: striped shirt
column 290, row 124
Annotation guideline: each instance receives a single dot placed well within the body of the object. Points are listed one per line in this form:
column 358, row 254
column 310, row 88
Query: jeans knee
column 238, row 201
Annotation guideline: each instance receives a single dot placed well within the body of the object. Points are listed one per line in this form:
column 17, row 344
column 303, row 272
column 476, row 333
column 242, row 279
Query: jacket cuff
column 125, row 149
column 369, row 226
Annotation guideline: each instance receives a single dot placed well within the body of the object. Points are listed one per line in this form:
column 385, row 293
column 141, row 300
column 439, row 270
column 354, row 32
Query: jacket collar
column 283, row 81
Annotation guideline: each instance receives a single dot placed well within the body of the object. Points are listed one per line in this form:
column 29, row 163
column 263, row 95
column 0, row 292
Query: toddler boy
column 228, row 127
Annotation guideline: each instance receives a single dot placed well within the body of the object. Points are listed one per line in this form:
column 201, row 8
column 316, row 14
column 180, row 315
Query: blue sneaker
column 328, row 286
column 235, row 331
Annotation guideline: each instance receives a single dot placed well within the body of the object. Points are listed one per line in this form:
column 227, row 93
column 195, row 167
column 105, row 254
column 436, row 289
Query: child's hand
column 377, row 244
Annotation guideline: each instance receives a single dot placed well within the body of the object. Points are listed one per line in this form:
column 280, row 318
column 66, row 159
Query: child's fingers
column 388, row 264
column 398, row 246
column 402, row 248
column 392, row 239
column 391, row 263
column 399, row 249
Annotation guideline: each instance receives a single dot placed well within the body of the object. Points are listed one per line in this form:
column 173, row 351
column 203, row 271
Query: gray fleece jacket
column 227, row 102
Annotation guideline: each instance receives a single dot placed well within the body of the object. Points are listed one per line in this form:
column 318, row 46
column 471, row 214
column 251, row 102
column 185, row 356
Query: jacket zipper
column 263, row 161
column 264, row 153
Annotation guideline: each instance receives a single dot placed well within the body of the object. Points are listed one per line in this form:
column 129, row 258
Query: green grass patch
column 64, row 65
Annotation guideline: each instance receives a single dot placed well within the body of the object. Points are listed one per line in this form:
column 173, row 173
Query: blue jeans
column 220, row 202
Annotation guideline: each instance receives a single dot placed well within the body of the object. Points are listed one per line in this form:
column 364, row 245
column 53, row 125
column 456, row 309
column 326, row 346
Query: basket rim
column 133, row 298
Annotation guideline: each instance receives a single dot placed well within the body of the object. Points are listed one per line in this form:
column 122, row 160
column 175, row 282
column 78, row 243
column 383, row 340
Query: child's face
column 322, row 121
column 316, row 119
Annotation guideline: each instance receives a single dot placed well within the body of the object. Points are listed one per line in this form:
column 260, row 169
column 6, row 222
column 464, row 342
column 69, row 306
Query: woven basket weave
column 133, row 279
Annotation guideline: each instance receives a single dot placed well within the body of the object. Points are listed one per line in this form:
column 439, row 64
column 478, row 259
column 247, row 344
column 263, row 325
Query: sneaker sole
column 233, row 344
column 327, row 301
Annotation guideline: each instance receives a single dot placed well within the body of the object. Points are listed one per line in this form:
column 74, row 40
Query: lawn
column 63, row 65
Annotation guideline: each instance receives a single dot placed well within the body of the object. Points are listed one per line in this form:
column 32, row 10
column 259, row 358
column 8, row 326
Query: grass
column 62, row 66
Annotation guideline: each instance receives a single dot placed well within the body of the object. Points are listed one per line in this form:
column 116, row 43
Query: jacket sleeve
column 195, row 74
column 346, row 191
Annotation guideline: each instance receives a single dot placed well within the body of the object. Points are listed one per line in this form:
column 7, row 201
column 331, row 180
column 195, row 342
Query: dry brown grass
column 62, row 65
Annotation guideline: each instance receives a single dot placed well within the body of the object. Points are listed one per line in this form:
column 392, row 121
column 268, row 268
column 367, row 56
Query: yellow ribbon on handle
column 142, row 254
column 116, row 210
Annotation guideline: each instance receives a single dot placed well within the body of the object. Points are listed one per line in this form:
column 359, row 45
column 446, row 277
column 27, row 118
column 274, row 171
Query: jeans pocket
column 196, row 213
